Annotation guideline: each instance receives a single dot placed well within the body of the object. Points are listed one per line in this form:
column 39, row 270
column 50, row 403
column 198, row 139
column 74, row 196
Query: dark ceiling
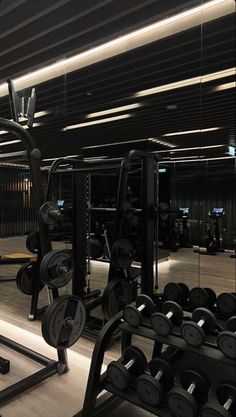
column 37, row 33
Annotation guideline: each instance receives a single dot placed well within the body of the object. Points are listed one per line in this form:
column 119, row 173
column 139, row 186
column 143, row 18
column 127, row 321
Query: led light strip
column 161, row 29
column 114, row 110
column 96, row 122
column 190, row 132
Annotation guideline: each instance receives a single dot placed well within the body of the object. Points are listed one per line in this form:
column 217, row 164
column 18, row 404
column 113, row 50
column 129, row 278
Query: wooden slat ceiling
column 34, row 34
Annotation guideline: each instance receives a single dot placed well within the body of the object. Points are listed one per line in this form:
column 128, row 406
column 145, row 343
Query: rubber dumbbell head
column 162, row 323
column 226, row 396
column 226, row 304
column 151, row 387
column 134, row 315
column 226, row 340
column 194, row 332
column 178, row 292
column 185, row 401
column 124, row 372
column 202, row 297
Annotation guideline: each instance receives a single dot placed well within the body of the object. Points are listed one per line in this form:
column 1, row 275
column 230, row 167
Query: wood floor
column 217, row 272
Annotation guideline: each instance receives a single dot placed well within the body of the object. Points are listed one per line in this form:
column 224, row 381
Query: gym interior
column 117, row 208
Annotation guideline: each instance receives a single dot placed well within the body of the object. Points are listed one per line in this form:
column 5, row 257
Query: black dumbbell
column 134, row 315
column 226, row 395
column 226, row 340
column 185, row 401
column 202, row 297
column 162, row 323
column 152, row 386
column 194, row 332
column 176, row 292
column 226, row 304
column 124, row 372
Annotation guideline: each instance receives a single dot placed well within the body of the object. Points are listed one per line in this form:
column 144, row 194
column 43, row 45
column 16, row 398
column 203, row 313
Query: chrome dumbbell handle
column 129, row 364
column 191, row 388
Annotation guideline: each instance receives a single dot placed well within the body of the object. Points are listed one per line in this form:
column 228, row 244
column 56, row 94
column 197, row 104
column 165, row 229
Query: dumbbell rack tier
column 208, row 357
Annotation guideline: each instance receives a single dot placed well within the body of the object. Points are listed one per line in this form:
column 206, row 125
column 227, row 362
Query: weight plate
column 96, row 247
column 226, row 342
column 132, row 316
column 198, row 297
column 149, row 390
column 49, row 213
column 161, row 324
column 122, row 254
column 224, row 391
column 212, row 409
column 56, row 269
column 185, row 291
column 63, row 321
column 181, row 403
column 117, row 294
column 133, row 352
column 231, row 324
column 207, row 316
column 226, row 303
column 33, row 242
column 202, row 384
column 118, row 375
column 172, row 291
column 192, row 334
column 158, row 364
column 25, row 278
column 211, row 296
column 175, row 308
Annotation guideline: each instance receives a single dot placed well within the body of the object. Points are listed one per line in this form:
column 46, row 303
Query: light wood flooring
column 62, row 396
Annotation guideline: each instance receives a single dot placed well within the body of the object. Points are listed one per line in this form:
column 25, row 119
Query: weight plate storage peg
column 185, row 401
column 202, row 297
column 56, row 268
column 152, row 386
column 122, row 254
column 49, row 213
column 226, row 406
column 134, row 314
column 226, row 304
column 226, row 340
column 63, row 321
column 124, row 372
column 117, row 294
column 162, row 323
column 26, row 276
column 194, row 332
column 33, row 242
column 178, row 292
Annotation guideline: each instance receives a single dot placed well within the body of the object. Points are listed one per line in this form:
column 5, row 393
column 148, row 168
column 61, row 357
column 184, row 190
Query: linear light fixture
column 96, row 122
column 187, row 82
column 115, row 110
column 198, row 159
column 58, row 157
column 190, row 132
column 161, row 142
column 10, row 142
column 5, row 132
column 161, row 29
column 226, row 86
column 194, row 148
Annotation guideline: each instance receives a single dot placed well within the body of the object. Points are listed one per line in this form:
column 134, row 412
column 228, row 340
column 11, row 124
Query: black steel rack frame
column 51, row 367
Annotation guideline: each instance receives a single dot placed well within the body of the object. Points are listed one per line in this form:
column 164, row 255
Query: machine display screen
column 60, row 203
column 218, row 211
column 184, row 210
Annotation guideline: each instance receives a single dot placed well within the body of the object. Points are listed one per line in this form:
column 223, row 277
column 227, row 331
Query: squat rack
column 51, row 367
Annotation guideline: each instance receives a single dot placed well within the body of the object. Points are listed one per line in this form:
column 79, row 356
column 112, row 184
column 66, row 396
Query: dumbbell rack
column 207, row 358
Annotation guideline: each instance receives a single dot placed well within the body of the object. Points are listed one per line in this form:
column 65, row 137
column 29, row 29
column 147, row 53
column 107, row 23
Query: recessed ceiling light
column 96, row 122
column 186, row 132
column 172, row 107
column 161, row 29
column 114, row 110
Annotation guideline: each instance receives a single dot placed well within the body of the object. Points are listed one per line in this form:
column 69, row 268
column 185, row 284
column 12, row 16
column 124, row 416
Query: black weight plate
column 25, row 278
column 226, row 303
column 158, row 364
column 117, row 294
column 133, row 352
column 211, row 296
column 172, row 291
column 63, row 321
column 118, row 375
column 202, row 384
column 226, row 342
column 231, row 324
column 96, row 248
column 198, row 297
column 175, row 308
column 161, row 324
column 226, row 390
column 132, row 316
column 181, row 403
column 45, row 213
column 145, row 299
column 207, row 316
column 185, row 290
column 192, row 333
column 149, row 390
column 122, row 254
column 212, row 409
column 56, row 269
column 33, row 242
